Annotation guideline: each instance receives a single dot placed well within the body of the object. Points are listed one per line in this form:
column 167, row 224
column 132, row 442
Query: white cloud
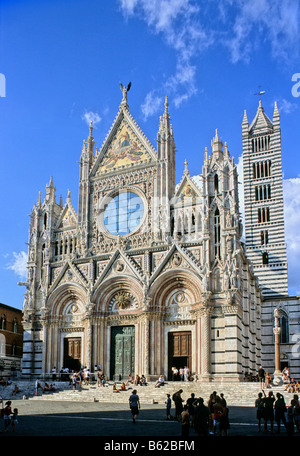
column 262, row 22
column 285, row 106
column 190, row 27
column 151, row 104
column 90, row 115
column 19, row 264
column 178, row 23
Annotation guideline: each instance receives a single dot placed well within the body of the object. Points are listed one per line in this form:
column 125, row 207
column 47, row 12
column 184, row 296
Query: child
column 14, row 419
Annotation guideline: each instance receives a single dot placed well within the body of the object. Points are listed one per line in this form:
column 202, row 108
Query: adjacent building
column 11, row 340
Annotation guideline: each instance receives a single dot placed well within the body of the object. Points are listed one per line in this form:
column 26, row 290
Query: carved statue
column 124, row 91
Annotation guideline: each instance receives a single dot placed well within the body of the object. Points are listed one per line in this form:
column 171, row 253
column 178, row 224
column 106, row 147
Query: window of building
column 217, row 228
column 216, row 183
column 124, row 213
column 264, row 237
column 284, row 328
column 262, row 192
column 261, row 143
column 263, row 214
column 265, row 258
column 3, row 322
column 15, row 325
column 262, row 169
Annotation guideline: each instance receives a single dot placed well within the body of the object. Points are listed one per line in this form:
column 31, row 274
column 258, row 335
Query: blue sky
column 63, row 62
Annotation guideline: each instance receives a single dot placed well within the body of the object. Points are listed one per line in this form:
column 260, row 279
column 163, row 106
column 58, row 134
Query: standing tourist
column 178, row 404
column 259, row 405
column 201, row 418
column 261, row 377
column 280, row 410
column 7, row 415
column 185, row 422
column 134, row 404
column 268, row 410
column 168, row 406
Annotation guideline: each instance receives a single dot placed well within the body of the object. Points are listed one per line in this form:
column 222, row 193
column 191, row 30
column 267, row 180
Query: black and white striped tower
column 263, row 201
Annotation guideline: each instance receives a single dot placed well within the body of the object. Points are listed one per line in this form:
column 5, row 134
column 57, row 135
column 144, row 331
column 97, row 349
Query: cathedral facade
column 148, row 274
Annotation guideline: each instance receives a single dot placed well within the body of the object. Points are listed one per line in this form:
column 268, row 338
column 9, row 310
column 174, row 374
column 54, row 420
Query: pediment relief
column 187, row 191
column 124, row 147
column 68, row 218
column 69, row 273
column 120, row 263
column 175, row 258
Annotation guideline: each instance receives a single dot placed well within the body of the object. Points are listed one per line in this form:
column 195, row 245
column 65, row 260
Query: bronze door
column 122, row 352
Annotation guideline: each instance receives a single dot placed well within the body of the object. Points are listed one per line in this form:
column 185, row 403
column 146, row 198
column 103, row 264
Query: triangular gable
column 187, row 189
column 115, row 265
column 125, row 146
column 69, row 273
column 68, row 217
column 174, row 254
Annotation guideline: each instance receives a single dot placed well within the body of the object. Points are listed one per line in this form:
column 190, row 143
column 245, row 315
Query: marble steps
column 236, row 394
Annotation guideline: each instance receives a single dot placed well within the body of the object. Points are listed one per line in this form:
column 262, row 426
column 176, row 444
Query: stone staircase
column 241, row 394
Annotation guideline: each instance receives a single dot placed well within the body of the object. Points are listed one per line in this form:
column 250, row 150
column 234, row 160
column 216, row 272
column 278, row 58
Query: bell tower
column 263, row 199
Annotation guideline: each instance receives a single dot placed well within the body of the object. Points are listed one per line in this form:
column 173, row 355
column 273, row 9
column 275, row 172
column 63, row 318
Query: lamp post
column 277, row 374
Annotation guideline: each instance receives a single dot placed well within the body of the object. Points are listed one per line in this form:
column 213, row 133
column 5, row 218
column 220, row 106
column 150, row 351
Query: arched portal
column 176, row 295
column 65, row 329
column 118, row 346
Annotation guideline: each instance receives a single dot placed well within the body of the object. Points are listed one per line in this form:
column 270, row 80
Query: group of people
column 9, row 415
column 270, row 409
column 4, row 382
column 181, row 374
column 205, row 419
column 139, row 380
column 8, row 382
column 290, row 384
column 46, row 388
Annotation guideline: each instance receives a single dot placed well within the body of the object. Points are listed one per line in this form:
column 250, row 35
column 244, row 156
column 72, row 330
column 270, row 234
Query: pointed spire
column 217, row 145
column 186, row 168
column 166, row 106
column 166, row 116
column 39, row 201
column 276, row 117
column 51, row 185
column 50, row 191
column 245, row 118
column 226, row 151
column 90, row 140
column 276, row 111
column 206, row 156
column 69, row 196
